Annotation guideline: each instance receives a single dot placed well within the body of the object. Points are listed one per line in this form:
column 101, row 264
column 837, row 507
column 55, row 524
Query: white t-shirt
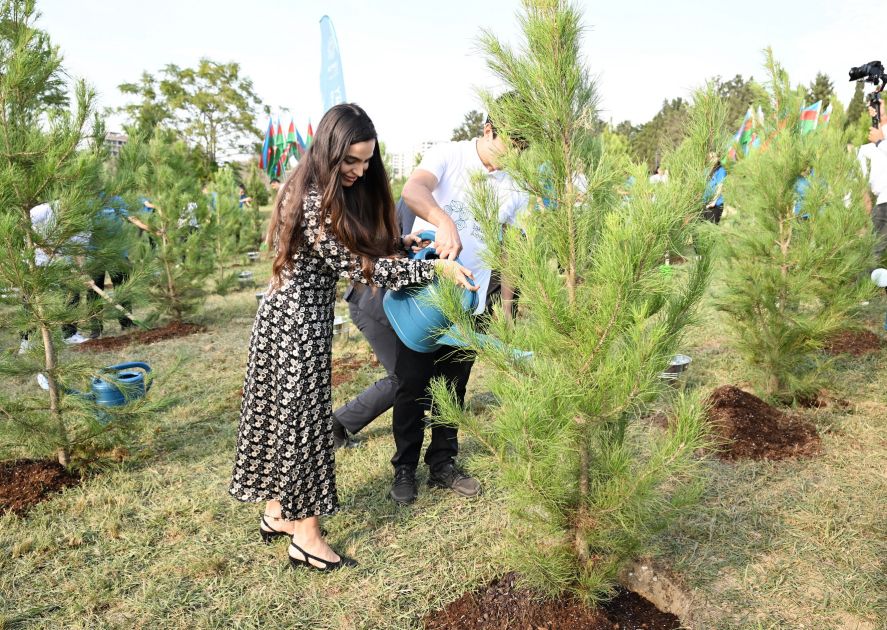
column 42, row 217
column 874, row 167
column 454, row 164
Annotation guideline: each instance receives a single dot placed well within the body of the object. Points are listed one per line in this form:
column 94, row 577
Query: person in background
column 714, row 198
column 873, row 160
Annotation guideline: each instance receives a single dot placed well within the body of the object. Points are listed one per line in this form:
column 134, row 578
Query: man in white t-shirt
column 873, row 158
column 438, row 192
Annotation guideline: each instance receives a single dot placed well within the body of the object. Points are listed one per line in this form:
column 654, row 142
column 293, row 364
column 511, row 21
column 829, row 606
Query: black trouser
column 713, row 214
column 414, row 371
column 365, row 306
column 117, row 278
column 879, row 224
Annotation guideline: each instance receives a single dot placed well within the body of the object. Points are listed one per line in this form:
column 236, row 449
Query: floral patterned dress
column 285, row 442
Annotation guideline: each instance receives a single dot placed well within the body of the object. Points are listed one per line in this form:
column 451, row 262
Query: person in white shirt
column 42, row 218
column 873, row 159
column 438, row 193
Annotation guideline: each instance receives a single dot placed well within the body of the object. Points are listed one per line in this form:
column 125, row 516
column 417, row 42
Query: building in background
column 403, row 164
column 115, row 141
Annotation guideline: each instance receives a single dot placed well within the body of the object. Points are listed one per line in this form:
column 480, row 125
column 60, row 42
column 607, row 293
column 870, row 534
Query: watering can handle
column 138, row 365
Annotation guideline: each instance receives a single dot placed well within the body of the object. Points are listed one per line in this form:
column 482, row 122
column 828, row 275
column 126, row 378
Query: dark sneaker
column 404, row 490
column 341, row 439
column 451, row 477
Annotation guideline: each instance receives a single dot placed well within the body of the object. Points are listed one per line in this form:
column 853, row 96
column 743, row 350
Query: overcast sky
column 414, row 65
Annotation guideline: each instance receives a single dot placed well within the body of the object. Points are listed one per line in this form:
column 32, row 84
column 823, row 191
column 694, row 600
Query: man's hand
column 447, row 241
column 875, row 134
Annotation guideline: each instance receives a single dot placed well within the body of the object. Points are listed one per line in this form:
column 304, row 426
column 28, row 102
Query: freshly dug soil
column 26, row 482
column 345, row 368
column 854, row 342
column 503, row 606
column 751, row 429
column 141, row 337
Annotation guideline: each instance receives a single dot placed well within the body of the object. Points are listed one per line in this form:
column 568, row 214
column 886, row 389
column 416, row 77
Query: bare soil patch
column 750, row 428
column 346, row 368
column 26, row 482
column 502, row 605
column 172, row 330
column 854, row 342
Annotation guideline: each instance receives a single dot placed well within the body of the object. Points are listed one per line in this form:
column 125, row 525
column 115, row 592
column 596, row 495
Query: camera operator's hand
column 876, row 135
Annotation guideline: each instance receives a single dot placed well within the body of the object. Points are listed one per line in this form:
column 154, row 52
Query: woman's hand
column 412, row 242
column 455, row 272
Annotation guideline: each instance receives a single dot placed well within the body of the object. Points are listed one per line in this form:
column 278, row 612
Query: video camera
column 872, row 72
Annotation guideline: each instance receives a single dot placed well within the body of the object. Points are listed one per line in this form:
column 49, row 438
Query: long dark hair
column 363, row 215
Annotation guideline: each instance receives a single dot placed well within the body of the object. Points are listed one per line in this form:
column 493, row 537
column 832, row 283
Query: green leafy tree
column 663, row 133
column 792, row 261
column 820, row 89
column 232, row 225
column 589, row 481
column 471, row 127
column 50, row 161
column 737, row 94
column 212, row 106
column 180, row 251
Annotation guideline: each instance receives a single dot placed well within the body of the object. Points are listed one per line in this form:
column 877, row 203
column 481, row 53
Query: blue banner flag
column 332, row 82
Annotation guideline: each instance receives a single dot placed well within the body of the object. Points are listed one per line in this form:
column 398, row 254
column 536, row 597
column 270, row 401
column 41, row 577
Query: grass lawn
column 156, row 542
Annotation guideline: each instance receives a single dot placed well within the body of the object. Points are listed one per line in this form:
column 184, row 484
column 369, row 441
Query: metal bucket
column 678, row 364
column 245, row 279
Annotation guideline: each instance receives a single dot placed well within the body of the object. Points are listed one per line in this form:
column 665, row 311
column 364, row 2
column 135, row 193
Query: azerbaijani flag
column 744, row 135
column 290, row 143
column 270, row 157
column 826, row 115
column 264, row 158
column 310, row 135
column 301, row 144
column 810, row 117
column 279, row 146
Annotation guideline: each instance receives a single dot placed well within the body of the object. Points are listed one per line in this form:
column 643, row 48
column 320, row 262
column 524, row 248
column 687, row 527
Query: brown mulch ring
column 345, row 368
column 141, row 337
column 502, row 605
column 854, row 342
column 749, row 428
column 26, row 482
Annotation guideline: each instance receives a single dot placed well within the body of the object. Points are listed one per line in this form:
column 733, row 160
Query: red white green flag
column 810, row 117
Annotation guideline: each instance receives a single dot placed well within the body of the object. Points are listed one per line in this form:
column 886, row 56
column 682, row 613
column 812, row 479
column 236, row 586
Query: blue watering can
column 118, row 386
column 421, row 326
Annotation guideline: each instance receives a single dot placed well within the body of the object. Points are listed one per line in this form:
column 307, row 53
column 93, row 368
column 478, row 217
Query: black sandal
column 343, row 561
column 270, row 534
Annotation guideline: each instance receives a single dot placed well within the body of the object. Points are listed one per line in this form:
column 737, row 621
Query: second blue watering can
column 117, row 385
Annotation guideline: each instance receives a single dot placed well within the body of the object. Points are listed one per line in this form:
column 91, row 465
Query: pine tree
column 821, row 89
column 231, row 224
column 857, row 107
column 792, row 261
column 50, row 161
column 588, row 480
column 180, row 252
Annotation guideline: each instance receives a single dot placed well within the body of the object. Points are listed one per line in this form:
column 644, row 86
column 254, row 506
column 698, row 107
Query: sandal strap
column 308, row 556
column 268, row 525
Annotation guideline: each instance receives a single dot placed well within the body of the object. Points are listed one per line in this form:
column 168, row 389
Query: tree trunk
column 55, row 410
column 582, row 516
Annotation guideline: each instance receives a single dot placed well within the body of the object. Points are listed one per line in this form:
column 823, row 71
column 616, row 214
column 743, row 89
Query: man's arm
column 417, row 195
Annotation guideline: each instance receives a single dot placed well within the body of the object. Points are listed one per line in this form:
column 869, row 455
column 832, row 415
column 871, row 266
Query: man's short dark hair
column 275, row 179
column 520, row 142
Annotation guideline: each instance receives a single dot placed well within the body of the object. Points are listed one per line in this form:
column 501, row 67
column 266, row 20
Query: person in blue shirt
column 714, row 198
column 110, row 225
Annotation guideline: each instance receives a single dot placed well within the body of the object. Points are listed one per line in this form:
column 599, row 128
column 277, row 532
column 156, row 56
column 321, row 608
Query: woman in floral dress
column 334, row 218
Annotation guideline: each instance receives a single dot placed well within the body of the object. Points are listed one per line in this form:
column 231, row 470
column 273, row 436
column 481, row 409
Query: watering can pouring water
column 420, row 324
